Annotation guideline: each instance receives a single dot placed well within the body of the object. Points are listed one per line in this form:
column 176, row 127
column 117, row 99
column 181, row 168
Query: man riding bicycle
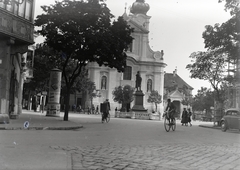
column 170, row 109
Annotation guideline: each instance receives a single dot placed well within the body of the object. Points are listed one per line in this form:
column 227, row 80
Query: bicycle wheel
column 166, row 124
column 174, row 125
column 108, row 118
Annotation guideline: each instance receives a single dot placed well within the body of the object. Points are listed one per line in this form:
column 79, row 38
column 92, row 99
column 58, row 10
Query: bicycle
column 168, row 124
column 106, row 119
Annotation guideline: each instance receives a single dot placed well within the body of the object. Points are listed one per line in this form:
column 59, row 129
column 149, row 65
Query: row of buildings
column 16, row 52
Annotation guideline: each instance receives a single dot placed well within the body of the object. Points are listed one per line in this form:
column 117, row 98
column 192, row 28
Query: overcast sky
column 176, row 27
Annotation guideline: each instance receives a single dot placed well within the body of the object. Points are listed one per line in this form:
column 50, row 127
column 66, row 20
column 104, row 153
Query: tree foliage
column 123, row 95
column 203, row 100
column 222, row 44
column 155, row 98
column 83, row 31
column 210, row 66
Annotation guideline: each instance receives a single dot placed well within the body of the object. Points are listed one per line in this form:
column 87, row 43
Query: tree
column 222, row 44
column 123, row 95
column 210, row 66
column 155, row 98
column 203, row 100
column 83, row 32
column 187, row 101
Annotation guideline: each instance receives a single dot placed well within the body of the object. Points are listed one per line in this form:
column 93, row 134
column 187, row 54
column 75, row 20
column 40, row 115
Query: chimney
column 175, row 72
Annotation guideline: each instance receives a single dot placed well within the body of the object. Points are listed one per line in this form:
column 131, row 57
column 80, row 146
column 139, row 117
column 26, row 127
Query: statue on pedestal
column 138, row 81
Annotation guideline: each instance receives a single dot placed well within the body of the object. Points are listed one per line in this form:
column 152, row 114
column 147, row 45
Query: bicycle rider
column 170, row 109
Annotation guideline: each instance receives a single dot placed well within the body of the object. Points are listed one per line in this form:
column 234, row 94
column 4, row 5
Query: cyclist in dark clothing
column 171, row 109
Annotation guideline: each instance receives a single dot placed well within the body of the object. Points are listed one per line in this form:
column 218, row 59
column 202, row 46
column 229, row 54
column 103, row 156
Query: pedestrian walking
column 97, row 110
column 189, row 116
column 184, row 120
column 79, row 108
column 105, row 110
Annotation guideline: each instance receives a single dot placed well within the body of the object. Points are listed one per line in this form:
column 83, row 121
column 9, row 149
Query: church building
column 141, row 58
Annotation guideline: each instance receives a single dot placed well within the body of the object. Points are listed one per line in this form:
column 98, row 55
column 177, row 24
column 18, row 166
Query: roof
column 171, row 80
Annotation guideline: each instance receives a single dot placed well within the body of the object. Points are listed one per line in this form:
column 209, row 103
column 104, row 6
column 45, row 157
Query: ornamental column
column 53, row 107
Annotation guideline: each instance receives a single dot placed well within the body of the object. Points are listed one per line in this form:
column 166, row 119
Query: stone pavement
column 29, row 120
column 161, row 157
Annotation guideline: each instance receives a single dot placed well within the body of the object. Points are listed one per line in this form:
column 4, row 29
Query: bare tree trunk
column 65, row 118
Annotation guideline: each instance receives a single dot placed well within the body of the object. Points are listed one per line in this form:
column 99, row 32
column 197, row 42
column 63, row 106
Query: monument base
column 138, row 107
column 53, row 110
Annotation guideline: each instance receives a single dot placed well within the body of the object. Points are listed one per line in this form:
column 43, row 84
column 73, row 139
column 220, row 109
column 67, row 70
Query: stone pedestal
column 138, row 107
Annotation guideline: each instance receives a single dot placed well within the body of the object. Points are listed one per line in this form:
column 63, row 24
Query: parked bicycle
column 168, row 123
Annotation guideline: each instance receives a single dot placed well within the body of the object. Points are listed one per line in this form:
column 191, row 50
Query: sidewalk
column 206, row 124
column 30, row 120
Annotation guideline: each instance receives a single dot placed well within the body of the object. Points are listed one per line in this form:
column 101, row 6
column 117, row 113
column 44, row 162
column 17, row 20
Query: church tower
column 141, row 58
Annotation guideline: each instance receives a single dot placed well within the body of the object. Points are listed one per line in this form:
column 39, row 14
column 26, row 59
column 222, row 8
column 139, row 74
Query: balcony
column 17, row 20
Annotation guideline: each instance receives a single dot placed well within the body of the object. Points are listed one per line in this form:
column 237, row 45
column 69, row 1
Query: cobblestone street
column 167, row 157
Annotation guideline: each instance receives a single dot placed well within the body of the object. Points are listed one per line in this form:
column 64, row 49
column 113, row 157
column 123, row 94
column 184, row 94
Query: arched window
column 149, row 85
column 127, row 75
column 104, row 83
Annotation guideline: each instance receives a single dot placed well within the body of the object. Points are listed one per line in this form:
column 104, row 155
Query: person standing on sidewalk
column 189, row 116
column 106, row 109
column 184, row 120
column 97, row 110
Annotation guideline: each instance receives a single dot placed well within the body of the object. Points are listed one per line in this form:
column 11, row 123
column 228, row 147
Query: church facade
column 141, row 58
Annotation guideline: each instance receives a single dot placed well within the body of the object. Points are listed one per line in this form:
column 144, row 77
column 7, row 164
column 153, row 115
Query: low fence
column 138, row 115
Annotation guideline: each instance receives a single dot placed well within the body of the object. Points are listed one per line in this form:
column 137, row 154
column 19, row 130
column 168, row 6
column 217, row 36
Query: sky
column 176, row 27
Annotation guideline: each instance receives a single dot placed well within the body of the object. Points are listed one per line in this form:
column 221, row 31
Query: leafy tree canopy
column 83, row 30
column 227, row 35
column 123, row 94
column 155, row 98
column 203, row 100
column 222, row 44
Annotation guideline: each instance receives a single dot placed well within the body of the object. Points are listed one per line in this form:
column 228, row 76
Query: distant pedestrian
column 106, row 110
column 74, row 107
column 79, row 108
column 89, row 111
column 189, row 116
column 97, row 110
column 184, row 120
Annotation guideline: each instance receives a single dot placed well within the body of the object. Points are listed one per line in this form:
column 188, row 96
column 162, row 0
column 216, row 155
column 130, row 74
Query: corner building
column 140, row 58
column 16, row 35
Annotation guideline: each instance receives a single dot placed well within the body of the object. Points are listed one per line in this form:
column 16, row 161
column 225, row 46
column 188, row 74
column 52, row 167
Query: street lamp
column 10, row 2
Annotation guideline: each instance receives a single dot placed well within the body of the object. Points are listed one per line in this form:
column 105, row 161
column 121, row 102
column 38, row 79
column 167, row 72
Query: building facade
column 140, row 58
column 176, row 89
column 16, row 35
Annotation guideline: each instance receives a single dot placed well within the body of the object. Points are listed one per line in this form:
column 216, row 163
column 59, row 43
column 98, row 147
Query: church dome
column 139, row 7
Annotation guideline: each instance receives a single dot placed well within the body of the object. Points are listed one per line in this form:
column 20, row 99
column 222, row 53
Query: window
column 23, row 9
column 149, row 85
column 127, row 75
column 104, row 83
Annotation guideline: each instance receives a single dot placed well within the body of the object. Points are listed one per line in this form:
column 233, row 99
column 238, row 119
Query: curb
column 41, row 128
column 211, row 127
